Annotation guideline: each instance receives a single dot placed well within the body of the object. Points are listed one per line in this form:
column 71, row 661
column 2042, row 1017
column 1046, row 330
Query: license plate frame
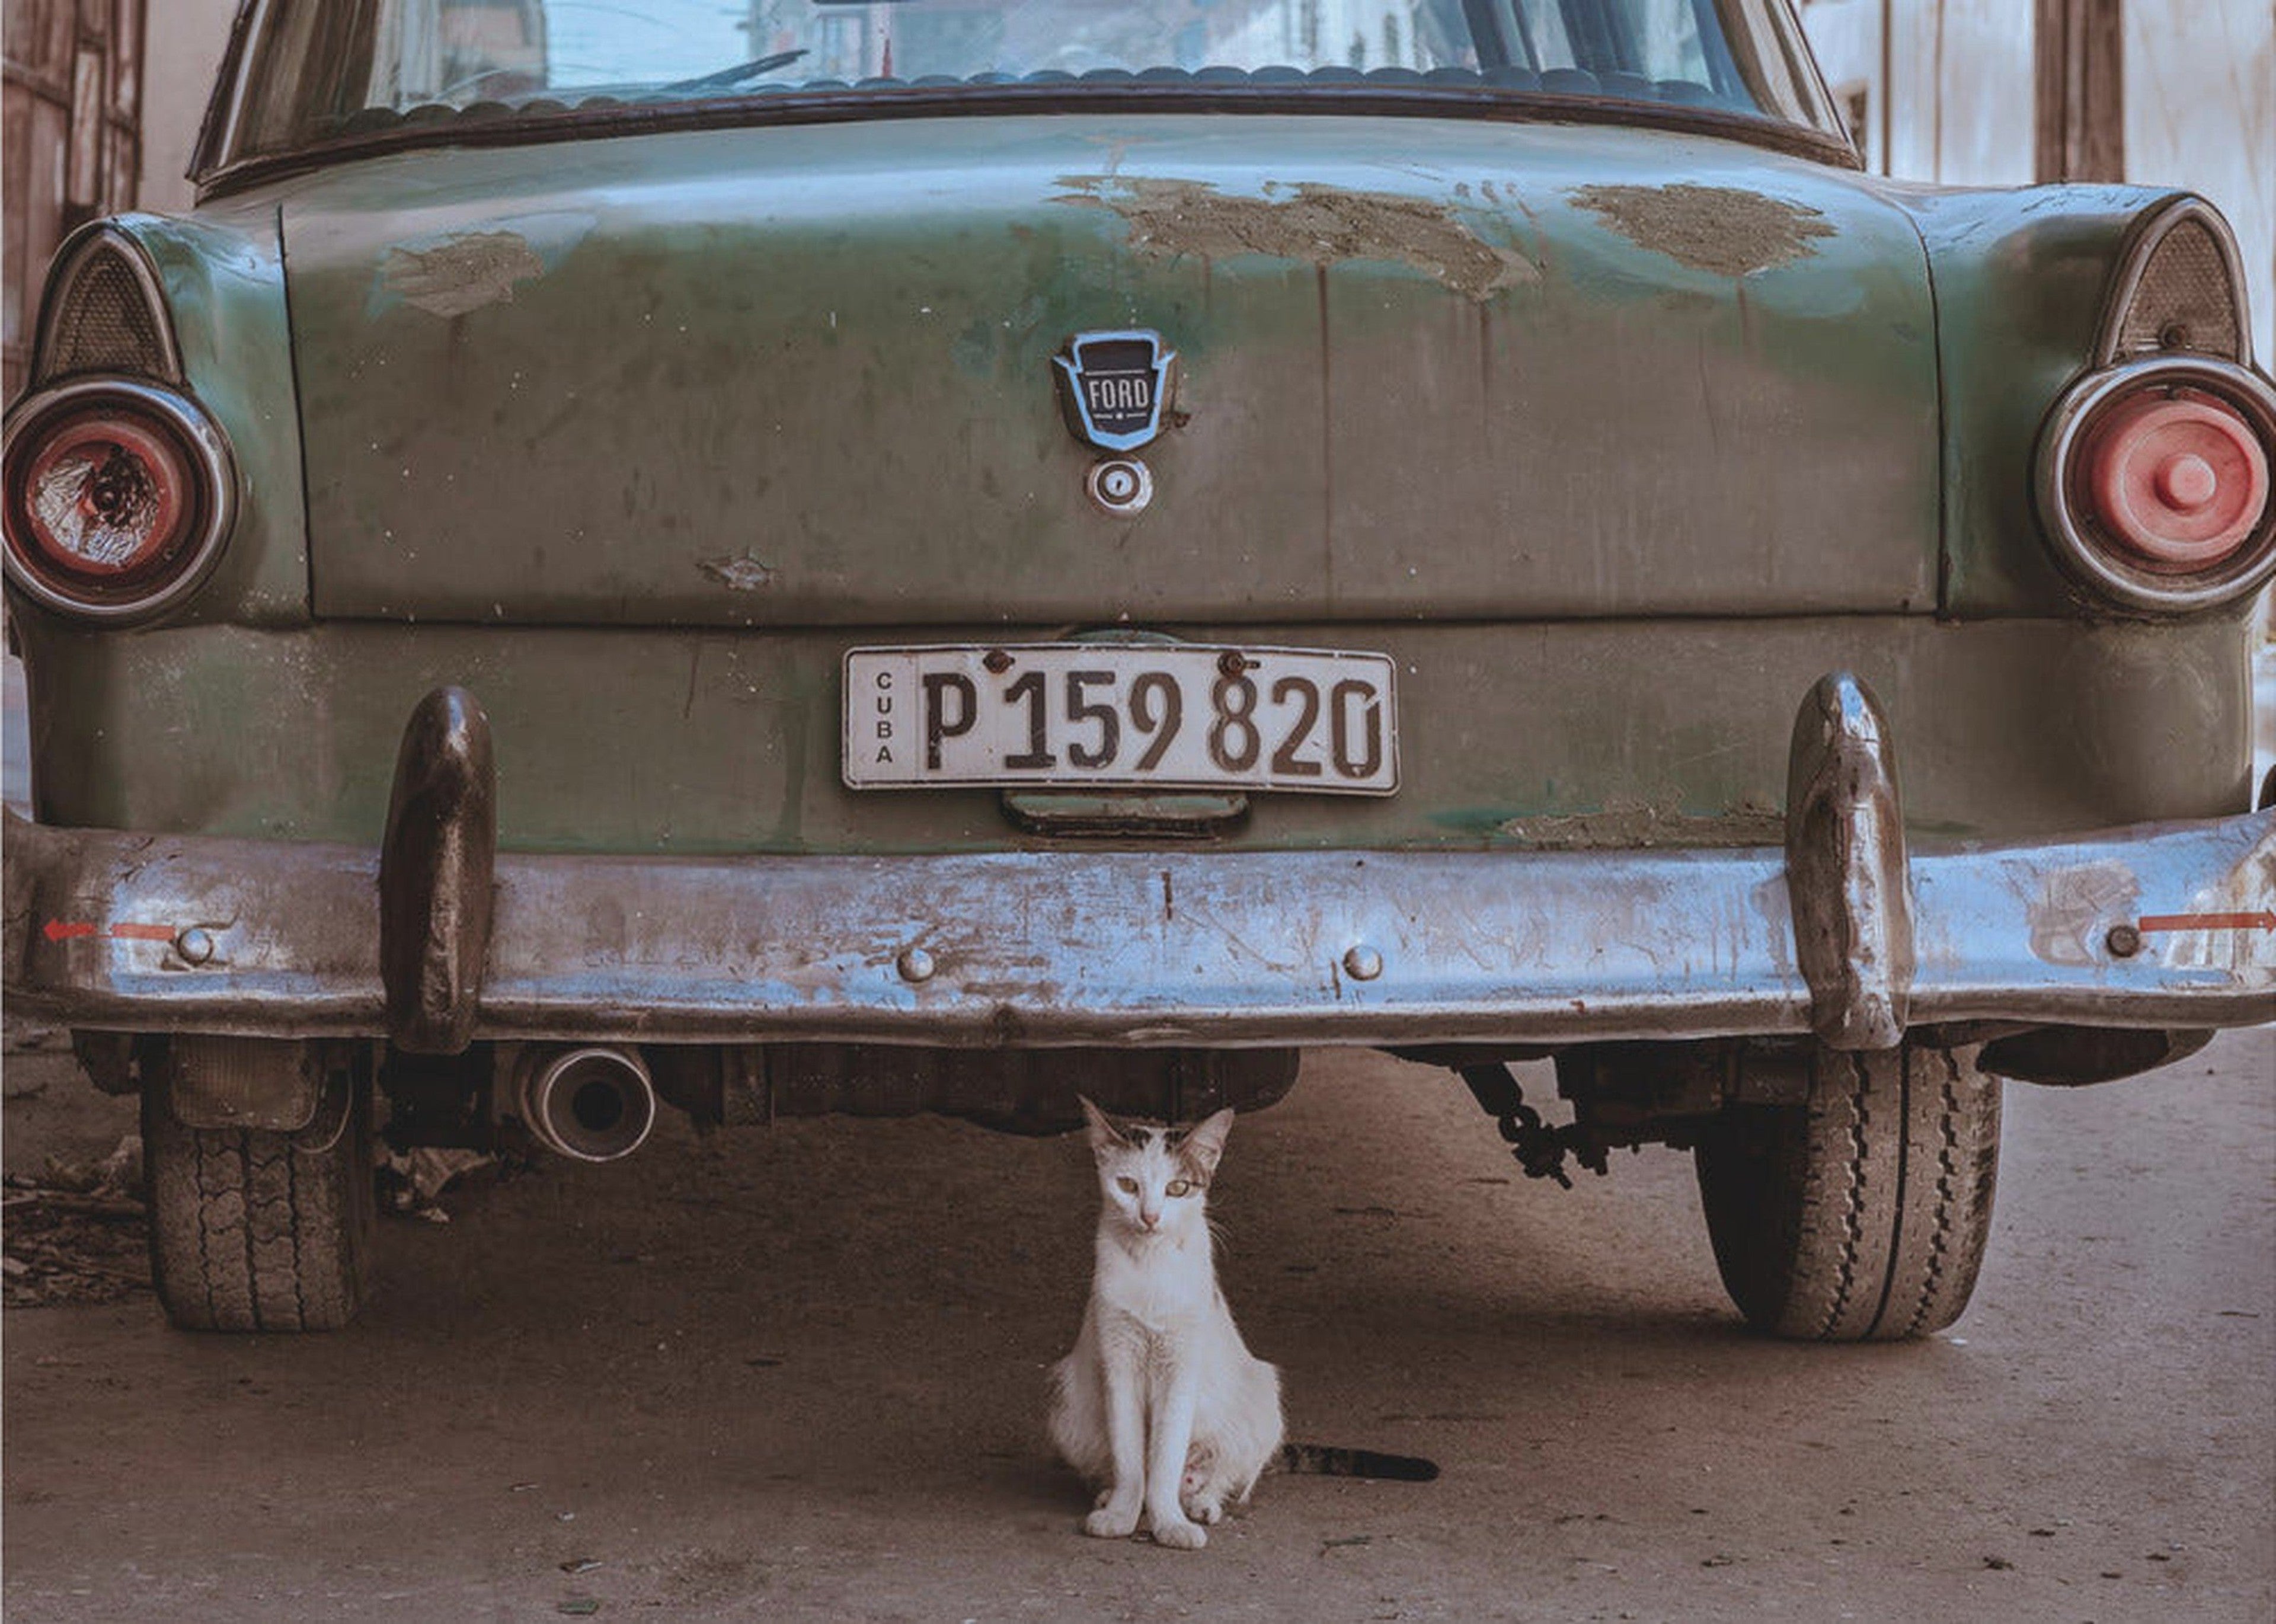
column 1119, row 716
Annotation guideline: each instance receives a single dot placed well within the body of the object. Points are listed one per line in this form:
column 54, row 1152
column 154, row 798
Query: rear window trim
column 1485, row 105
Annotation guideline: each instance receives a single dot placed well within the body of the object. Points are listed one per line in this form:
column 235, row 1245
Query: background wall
column 186, row 37
column 1945, row 90
column 72, row 139
column 1935, row 89
column 2201, row 112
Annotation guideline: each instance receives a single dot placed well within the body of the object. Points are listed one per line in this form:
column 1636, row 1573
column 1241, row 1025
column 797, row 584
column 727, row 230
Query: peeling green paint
column 1723, row 231
column 1322, row 225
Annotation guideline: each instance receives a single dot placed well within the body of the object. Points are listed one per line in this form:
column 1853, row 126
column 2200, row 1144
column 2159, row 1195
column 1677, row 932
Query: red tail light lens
column 106, row 496
column 2179, row 478
column 2154, row 482
column 116, row 499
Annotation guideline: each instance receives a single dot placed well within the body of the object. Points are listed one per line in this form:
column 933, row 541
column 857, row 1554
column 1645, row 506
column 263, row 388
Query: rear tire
column 1861, row 1215
column 255, row 1230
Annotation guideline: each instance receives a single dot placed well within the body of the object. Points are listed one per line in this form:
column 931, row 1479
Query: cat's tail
column 1329, row 1461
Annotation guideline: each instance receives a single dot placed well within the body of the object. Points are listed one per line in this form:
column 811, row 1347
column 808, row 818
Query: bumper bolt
column 195, row 944
column 915, row 964
column 2124, row 941
column 1363, row 963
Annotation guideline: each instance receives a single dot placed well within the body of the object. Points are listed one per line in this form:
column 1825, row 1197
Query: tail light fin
column 104, row 313
column 117, row 490
column 2154, row 466
column 2181, row 287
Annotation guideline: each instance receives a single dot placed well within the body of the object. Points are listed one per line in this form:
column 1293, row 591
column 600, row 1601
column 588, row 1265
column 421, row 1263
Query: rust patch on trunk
column 461, row 273
column 1720, row 230
column 1322, row 224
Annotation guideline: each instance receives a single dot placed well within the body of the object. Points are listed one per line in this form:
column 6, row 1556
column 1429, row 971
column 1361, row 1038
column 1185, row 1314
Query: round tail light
column 2178, row 478
column 2155, row 482
column 116, row 499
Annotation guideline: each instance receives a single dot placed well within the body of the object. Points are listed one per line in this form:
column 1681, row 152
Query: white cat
column 1160, row 1401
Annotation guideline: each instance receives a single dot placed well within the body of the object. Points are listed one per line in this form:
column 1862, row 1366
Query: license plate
column 1159, row 715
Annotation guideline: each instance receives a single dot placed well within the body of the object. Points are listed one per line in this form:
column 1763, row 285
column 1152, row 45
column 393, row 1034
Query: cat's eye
column 1128, row 1186
column 1178, row 1187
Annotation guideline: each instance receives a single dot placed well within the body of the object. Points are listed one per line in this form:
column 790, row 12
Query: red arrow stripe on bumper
column 2206, row 921
column 71, row 930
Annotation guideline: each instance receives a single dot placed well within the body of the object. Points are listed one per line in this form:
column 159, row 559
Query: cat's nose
column 1151, row 1217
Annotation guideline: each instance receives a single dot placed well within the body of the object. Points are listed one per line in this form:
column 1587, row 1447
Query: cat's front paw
column 1111, row 1521
column 1180, row 1535
column 1208, row 1512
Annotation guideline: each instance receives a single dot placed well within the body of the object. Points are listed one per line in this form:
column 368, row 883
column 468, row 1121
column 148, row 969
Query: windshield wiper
column 727, row 79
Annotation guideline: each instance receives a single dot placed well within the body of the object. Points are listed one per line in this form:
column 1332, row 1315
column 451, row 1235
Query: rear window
column 313, row 72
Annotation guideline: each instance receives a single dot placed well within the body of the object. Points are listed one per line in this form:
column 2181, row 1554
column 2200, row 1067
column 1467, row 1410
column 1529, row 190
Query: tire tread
column 253, row 1230
column 1863, row 1215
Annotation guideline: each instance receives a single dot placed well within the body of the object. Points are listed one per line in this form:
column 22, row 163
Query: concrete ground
column 796, row 1373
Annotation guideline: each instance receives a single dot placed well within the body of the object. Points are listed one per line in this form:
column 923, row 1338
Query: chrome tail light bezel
column 212, row 470
column 2103, row 562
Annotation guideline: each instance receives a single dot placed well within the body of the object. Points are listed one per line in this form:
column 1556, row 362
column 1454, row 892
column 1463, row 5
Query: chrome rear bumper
column 1841, row 931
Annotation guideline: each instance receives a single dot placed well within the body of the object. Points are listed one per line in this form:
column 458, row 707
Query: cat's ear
column 1206, row 1143
column 1104, row 1135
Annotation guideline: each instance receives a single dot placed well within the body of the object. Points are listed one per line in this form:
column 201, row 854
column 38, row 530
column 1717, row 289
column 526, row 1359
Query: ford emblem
column 1114, row 386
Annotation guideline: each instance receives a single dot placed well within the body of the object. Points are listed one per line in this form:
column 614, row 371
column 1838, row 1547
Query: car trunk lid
column 804, row 376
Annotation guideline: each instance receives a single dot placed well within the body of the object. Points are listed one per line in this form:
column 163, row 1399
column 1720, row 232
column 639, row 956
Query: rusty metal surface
column 1164, row 949
column 436, row 867
column 296, row 929
column 1845, row 859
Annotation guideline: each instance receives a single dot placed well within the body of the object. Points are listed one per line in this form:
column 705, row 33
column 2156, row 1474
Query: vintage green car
column 926, row 556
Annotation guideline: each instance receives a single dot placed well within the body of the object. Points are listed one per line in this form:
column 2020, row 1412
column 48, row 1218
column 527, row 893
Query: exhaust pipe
column 591, row 1104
